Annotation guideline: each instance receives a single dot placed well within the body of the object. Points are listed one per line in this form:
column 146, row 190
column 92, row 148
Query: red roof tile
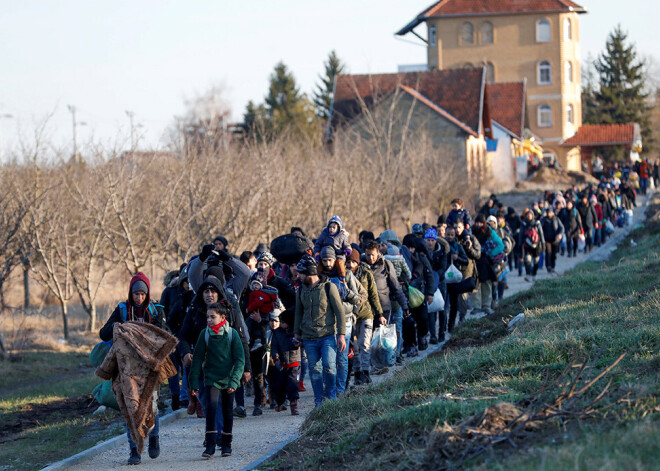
column 506, row 102
column 604, row 135
column 457, row 91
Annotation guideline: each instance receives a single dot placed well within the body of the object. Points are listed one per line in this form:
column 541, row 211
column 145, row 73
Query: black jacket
column 422, row 274
column 175, row 300
column 570, row 218
column 588, row 216
column 552, row 228
column 281, row 346
column 106, row 331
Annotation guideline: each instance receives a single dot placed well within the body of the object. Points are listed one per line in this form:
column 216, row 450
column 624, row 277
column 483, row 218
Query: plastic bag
column 438, row 303
column 609, row 227
column 383, row 347
column 99, row 353
column 582, row 242
column 415, row 297
column 104, row 395
column 453, row 275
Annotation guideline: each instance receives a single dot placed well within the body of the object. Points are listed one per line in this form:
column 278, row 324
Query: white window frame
column 433, row 41
column 568, row 29
column 492, row 32
column 540, row 37
column 463, row 25
column 543, row 110
column 568, row 72
column 570, row 114
column 540, row 68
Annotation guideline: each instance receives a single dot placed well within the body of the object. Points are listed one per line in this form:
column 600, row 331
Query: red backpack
column 531, row 238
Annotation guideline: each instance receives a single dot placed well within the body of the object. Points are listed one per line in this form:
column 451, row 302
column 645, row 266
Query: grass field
column 588, row 317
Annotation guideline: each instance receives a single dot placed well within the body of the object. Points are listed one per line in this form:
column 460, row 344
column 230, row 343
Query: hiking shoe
column 434, row 340
column 257, row 345
column 257, row 411
column 135, row 457
column 294, row 408
column 301, row 386
column 176, row 404
column 154, row 447
column 358, row 378
column 365, row 377
column 239, row 411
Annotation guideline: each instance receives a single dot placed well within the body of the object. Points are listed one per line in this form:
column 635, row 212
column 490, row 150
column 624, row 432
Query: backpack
column 153, row 312
column 531, row 238
column 509, row 243
column 230, row 333
column 341, row 287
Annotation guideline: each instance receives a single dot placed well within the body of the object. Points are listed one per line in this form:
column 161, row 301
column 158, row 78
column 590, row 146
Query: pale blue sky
column 106, row 57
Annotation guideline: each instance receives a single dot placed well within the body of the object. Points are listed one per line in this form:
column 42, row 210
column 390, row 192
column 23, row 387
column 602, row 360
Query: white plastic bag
column 383, row 345
column 453, row 274
column 438, row 303
column 582, row 242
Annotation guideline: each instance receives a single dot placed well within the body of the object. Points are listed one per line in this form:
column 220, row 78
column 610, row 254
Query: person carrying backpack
column 532, row 241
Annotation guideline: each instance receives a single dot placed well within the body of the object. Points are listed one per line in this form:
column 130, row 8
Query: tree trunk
column 65, row 319
column 26, row 286
column 92, row 317
column 3, row 351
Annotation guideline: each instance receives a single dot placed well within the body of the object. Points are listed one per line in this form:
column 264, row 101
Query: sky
column 149, row 57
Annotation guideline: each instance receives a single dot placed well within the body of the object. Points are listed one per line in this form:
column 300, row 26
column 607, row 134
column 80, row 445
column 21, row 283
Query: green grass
column 33, row 366
column 598, row 311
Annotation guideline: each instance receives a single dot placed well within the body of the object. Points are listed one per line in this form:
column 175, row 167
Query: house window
column 432, row 37
column 544, row 73
column 569, row 72
column 467, row 33
column 545, row 116
column 570, row 114
column 543, row 31
column 568, row 29
column 490, row 72
column 467, row 65
column 487, row 33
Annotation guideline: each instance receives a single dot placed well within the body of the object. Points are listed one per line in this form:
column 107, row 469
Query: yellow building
column 536, row 40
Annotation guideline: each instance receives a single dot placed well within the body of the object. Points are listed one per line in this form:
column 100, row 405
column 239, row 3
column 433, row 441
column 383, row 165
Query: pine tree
column 324, row 90
column 620, row 96
column 283, row 93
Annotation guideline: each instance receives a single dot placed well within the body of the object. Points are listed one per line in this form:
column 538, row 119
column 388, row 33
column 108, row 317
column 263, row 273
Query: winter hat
column 266, row 257
column 389, row 236
column 139, row 286
column 492, row 219
column 222, row 239
column 307, row 265
column 275, row 315
column 431, row 233
column 255, row 285
column 354, row 256
column 337, row 220
column 328, row 252
column 417, row 229
column 441, row 220
column 393, row 250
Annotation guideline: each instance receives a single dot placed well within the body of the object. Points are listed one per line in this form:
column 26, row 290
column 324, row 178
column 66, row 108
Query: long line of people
column 257, row 324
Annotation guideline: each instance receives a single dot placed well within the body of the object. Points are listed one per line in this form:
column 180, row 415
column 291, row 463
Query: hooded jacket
column 371, row 308
column 387, row 284
column 135, row 313
column 338, row 241
column 319, row 311
column 221, row 359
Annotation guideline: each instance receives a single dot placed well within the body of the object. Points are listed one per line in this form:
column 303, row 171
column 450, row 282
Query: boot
column 176, row 405
column 225, row 443
column 358, row 378
column 154, row 447
column 198, row 409
column 192, row 404
column 211, row 438
column 294, row 407
column 365, row 378
column 135, row 457
column 301, row 386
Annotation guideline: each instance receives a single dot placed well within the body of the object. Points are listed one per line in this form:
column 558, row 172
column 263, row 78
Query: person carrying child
column 219, row 355
column 285, row 357
column 335, row 236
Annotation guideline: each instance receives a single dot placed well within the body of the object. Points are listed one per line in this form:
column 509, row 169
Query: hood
column 216, row 284
column 139, row 276
column 390, row 236
column 337, row 220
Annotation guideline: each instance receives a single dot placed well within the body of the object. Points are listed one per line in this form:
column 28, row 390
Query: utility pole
column 76, row 157
column 130, row 115
column 6, row 116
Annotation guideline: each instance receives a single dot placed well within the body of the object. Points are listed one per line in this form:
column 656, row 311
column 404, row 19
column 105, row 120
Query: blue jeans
column 203, row 399
column 396, row 318
column 322, row 360
column 303, row 364
column 173, row 382
column 154, row 432
column 342, row 361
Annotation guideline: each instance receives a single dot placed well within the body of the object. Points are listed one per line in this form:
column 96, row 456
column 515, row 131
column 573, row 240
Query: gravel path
column 254, row 437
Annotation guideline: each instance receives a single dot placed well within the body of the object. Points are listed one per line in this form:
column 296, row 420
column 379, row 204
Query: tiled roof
column 457, row 91
column 506, row 102
column 604, row 135
column 490, row 7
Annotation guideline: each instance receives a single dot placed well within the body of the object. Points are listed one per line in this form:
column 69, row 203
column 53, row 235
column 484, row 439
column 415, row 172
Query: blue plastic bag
column 541, row 257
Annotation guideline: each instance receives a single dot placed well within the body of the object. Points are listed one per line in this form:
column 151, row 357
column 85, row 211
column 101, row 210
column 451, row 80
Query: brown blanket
column 138, row 363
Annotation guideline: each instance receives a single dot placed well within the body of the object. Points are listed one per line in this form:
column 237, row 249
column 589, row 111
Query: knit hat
column 307, row 265
column 393, row 250
column 337, row 220
column 139, row 286
column 417, row 229
column 354, row 256
column 255, row 285
column 481, row 218
column 328, row 252
column 222, row 239
column 389, row 236
column 492, row 218
column 431, row 233
column 217, row 272
column 266, row 257
column 441, row 220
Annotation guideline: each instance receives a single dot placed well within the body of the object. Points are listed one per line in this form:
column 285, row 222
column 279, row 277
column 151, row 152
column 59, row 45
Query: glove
column 207, row 250
column 223, row 255
column 348, row 251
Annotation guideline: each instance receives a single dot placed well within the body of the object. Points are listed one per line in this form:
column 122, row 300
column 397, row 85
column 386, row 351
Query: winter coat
column 387, row 284
column 588, row 216
column 552, row 229
column 372, row 307
column 423, row 278
column 221, row 359
column 195, row 321
column 459, row 215
column 339, row 242
column 540, row 247
column 319, row 311
column 462, row 262
column 283, row 348
column 438, row 258
column 473, row 253
column 175, row 302
column 570, row 219
column 491, row 246
column 137, row 363
column 400, row 267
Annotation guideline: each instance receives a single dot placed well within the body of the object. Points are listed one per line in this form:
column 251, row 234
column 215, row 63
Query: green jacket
column 319, row 311
column 221, row 361
column 371, row 308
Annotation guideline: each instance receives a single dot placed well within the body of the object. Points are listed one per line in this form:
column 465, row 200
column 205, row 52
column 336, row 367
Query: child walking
column 219, row 354
column 285, row 353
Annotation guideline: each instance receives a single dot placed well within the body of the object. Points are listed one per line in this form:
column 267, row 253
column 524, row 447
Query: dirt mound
column 554, row 176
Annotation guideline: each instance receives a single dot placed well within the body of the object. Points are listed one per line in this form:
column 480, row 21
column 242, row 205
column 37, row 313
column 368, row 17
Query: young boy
column 285, row 354
column 263, row 300
column 219, row 353
column 335, row 236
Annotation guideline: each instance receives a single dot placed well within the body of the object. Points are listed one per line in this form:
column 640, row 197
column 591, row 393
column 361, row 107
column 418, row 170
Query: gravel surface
column 254, row 437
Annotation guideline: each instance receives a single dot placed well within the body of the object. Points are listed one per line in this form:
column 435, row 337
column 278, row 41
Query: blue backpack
column 341, row 287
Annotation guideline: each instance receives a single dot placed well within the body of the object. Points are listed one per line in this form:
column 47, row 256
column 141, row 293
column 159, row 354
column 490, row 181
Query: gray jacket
column 387, row 284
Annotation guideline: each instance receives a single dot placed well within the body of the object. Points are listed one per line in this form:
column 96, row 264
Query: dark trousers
column 415, row 327
column 454, row 290
column 551, row 249
column 285, row 384
column 256, row 358
column 572, row 245
column 212, row 397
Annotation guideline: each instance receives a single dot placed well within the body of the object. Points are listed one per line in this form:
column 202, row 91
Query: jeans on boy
column 342, row 359
column 322, row 360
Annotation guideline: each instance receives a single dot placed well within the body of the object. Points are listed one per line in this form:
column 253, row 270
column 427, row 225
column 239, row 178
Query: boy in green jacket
column 219, row 354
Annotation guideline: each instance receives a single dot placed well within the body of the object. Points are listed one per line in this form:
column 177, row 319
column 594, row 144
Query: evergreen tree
column 283, row 93
column 620, row 96
column 324, row 90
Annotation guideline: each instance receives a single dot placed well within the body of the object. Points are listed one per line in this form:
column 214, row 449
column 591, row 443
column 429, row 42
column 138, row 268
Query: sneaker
column 434, row 340
column 257, row 411
column 301, row 386
column 135, row 457
column 257, row 345
column 239, row 411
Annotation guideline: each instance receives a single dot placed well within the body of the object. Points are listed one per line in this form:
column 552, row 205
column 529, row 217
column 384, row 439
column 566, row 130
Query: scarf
column 216, row 328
